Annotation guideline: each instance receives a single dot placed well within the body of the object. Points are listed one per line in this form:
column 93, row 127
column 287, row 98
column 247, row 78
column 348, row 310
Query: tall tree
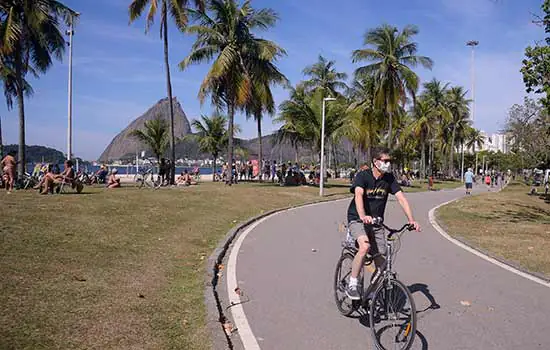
column 224, row 36
column 393, row 53
column 363, row 123
column 178, row 10
column 323, row 75
column 435, row 93
column 211, row 134
column 30, row 34
column 457, row 104
column 300, row 116
column 154, row 135
column 422, row 128
column 264, row 74
column 536, row 65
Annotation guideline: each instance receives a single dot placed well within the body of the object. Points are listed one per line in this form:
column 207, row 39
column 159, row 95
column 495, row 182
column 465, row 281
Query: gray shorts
column 376, row 235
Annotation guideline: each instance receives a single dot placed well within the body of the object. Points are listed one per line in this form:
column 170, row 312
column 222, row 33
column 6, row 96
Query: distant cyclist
column 371, row 188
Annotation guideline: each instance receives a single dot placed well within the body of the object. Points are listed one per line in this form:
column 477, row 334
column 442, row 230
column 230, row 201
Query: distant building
column 495, row 142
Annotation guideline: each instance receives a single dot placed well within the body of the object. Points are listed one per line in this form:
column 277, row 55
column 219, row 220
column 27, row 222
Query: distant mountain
column 36, row 154
column 123, row 145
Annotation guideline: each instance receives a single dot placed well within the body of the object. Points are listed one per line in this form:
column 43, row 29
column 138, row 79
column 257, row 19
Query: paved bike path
column 291, row 295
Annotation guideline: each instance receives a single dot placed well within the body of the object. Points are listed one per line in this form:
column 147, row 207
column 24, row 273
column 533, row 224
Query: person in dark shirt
column 371, row 188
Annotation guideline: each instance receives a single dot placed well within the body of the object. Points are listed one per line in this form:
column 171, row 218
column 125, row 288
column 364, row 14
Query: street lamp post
column 321, row 184
column 473, row 44
column 70, row 33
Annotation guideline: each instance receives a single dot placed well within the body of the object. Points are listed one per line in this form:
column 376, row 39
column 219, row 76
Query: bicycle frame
column 386, row 270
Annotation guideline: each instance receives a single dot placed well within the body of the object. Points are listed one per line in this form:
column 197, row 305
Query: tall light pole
column 473, row 44
column 321, row 184
column 70, row 33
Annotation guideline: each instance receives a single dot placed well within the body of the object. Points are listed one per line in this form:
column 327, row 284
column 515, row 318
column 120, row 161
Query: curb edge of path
column 215, row 313
column 487, row 256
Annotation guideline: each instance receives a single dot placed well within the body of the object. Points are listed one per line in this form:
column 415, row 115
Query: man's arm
column 407, row 209
column 359, row 205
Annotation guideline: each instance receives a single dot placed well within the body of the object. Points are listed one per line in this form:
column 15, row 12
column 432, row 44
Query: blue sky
column 119, row 73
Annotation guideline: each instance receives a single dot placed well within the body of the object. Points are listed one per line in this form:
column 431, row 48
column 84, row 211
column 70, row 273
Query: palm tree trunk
column 451, row 152
column 423, row 158
column 169, row 90
column 21, row 103
column 260, row 151
column 390, row 131
column 231, row 112
column 1, row 141
column 214, row 166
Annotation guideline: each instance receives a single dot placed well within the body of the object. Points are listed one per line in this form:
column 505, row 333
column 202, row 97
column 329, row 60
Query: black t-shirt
column 376, row 193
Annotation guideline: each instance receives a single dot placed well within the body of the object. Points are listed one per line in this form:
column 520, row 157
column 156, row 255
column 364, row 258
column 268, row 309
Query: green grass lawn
column 510, row 224
column 422, row 185
column 119, row 269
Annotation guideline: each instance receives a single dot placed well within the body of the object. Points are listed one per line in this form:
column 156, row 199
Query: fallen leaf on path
column 465, row 303
column 228, row 327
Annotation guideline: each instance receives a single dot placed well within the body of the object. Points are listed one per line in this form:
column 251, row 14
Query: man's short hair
column 377, row 152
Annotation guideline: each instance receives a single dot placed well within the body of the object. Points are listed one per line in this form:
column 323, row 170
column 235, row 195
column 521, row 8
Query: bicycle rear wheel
column 345, row 305
column 392, row 316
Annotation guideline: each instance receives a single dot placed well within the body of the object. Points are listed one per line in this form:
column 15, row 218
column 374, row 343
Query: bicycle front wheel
column 345, row 305
column 392, row 316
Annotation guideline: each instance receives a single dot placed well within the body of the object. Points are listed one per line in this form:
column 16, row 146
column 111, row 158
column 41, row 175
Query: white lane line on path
column 239, row 318
column 431, row 217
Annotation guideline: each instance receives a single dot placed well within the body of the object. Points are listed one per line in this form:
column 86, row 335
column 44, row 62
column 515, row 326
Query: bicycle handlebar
column 378, row 221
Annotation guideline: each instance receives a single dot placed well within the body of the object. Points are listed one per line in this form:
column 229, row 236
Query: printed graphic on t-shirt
column 376, row 193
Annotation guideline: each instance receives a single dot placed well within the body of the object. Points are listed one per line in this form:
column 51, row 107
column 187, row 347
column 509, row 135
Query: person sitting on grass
column 113, row 182
column 185, row 179
column 101, row 174
column 50, row 179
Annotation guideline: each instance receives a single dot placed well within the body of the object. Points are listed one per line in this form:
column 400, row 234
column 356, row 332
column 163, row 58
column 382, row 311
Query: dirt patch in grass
column 509, row 224
column 119, row 269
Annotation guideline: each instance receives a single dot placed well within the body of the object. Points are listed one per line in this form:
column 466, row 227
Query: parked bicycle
column 389, row 303
column 145, row 177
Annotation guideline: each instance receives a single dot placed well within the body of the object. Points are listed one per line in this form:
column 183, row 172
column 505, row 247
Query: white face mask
column 384, row 167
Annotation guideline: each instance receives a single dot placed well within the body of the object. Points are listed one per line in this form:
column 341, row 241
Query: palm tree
column 324, row 76
column 422, row 127
column 301, row 117
column 30, row 34
column 154, row 135
column 211, row 136
column 264, row 73
column 178, row 10
column 457, row 104
column 393, row 54
column 435, row 93
column 225, row 37
column 363, row 122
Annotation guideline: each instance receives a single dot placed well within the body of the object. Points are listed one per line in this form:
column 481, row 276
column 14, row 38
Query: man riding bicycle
column 371, row 188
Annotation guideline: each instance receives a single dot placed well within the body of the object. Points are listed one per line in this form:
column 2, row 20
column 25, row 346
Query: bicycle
column 385, row 298
column 146, row 177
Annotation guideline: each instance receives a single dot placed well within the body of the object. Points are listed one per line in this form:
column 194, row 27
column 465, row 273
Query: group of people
column 51, row 179
column 282, row 173
column 491, row 179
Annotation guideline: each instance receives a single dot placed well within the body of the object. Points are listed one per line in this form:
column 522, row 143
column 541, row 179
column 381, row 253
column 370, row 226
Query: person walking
column 469, row 180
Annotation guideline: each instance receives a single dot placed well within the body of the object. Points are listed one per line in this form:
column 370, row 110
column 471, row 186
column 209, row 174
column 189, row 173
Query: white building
column 494, row 142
